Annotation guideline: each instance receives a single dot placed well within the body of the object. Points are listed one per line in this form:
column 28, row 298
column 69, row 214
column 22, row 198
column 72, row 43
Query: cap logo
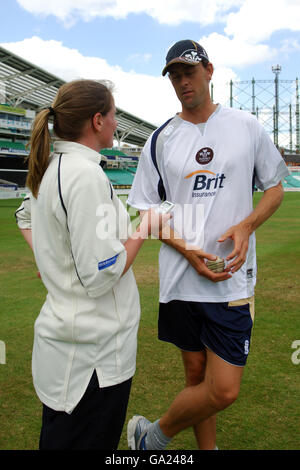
column 185, row 51
column 191, row 56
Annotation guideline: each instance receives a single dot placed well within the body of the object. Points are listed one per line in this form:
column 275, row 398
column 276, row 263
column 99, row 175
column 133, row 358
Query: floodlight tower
column 276, row 69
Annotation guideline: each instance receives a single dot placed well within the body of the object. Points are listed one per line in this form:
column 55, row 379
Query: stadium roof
column 34, row 88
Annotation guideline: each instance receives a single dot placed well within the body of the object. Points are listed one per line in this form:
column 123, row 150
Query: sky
column 126, row 41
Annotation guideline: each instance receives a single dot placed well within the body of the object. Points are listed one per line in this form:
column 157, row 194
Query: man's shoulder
column 238, row 114
column 167, row 129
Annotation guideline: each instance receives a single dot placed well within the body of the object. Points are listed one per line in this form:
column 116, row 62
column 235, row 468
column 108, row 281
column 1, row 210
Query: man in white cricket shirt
column 205, row 160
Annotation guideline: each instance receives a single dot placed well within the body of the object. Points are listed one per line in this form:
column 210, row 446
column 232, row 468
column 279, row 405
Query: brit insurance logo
column 206, row 182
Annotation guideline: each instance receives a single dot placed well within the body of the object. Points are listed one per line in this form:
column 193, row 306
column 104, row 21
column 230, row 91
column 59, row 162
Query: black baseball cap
column 185, row 52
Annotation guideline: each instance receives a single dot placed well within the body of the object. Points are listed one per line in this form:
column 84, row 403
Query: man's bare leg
column 194, row 404
column 195, row 366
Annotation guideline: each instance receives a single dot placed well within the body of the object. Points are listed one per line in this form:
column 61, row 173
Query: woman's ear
column 97, row 121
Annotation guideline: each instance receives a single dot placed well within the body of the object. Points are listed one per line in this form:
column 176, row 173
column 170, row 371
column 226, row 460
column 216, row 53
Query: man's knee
column 222, row 380
column 222, row 396
column 194, row 365
column 194, row 376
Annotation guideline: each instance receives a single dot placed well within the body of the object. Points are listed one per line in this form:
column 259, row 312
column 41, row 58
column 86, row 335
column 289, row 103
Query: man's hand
column 193, row 254
column 240, row 234
column 196, row 258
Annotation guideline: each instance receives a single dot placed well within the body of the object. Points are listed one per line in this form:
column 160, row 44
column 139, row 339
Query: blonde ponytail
column 40, row 144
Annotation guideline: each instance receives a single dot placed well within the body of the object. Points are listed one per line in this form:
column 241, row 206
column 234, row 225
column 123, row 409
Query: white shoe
column 137, row 429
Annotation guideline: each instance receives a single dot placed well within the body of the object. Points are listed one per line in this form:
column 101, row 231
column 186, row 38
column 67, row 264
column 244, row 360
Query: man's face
column 191, row 83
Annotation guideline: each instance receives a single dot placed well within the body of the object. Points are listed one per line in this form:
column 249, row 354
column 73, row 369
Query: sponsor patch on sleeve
column 108, row 262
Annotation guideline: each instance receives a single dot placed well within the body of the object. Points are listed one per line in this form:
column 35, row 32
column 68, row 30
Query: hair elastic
column 51, row 111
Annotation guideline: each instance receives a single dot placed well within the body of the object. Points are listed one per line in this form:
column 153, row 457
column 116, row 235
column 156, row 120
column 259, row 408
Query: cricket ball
column 217, row 266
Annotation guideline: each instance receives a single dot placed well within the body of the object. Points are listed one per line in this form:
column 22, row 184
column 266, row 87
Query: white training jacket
column 90, row 318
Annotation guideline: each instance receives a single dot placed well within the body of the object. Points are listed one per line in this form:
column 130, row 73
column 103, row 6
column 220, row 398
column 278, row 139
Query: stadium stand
column 16, row 148
column 24, row 90
column 119, row 167
column 121, row 179
column 113, row 158
column 292, row 182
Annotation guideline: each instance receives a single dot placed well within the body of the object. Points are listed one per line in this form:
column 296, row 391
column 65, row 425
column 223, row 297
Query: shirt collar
column 63, row 146
column 216, row 111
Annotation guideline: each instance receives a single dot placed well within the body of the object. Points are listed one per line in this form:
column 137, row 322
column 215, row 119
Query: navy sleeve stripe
column 59, row 186
column 65, row 211
column 160, row 186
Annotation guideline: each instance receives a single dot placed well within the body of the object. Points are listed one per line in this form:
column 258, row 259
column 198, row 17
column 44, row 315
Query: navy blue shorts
column 224, row 328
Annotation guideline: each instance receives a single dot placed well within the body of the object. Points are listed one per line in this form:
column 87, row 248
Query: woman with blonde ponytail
column 85, row 335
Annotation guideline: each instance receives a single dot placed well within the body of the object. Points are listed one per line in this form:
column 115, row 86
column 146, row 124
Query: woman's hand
column 152, row 222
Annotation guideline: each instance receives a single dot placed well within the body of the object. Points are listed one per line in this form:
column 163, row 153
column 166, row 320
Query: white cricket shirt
column 91, row 314
column 207, row 171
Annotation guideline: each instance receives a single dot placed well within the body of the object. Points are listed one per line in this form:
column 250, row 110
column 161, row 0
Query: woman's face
column 108, row 128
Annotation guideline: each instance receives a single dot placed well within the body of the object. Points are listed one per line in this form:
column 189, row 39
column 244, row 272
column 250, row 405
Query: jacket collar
column 63, row 146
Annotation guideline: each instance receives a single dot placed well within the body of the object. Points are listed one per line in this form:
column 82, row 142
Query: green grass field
column 267, row 412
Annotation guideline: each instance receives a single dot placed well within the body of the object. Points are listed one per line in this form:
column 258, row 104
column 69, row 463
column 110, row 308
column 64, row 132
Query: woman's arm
column 151, row 222
column 27, row 234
